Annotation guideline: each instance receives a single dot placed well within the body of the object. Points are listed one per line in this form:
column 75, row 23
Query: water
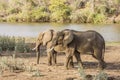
column 111, row 33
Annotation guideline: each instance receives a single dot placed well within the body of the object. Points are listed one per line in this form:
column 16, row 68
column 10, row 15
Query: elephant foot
column 37, row 62
column 102, row 67
column 66, row 68
column 49, row 64
column 71, row 66
column 54, row 64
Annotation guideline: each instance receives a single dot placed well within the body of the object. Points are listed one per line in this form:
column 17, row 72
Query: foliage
column 13, row 44
column 11, row 18
column 2, row 5
column 82, row 16
column 77, row 11
column 13, row 64
column 117, row 1
column 59, row 10
column 40, row 14
column 7, row 43
column 99, row 18
column 100, row 76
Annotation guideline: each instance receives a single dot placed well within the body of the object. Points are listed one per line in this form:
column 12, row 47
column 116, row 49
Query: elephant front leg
column 38, row 57
column 54, row 57
column 38, row 54
column 49, row 58
column 79, row 61
column 68, row 57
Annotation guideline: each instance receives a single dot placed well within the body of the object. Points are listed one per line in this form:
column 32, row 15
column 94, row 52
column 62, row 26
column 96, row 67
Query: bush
column 20, row 45
column 40, row 14
column 13, row 44
column 82, row 16
column 99, row 18
column 7, row 43
column 60, row 11
column 13, row 64
column 24, row 17
column 12, row 18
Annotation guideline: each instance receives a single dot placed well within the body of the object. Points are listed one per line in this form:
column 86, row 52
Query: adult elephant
column 45, row 39
column 82, row 42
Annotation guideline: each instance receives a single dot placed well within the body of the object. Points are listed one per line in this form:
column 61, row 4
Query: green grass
column 112, row 43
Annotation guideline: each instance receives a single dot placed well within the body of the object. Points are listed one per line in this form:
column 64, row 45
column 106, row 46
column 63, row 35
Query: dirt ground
column 112, row 58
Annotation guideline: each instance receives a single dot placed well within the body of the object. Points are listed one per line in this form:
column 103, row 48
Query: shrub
column 13, row 43
column 100, row 76
column 12, row 18
column 99, row 18
column 7, row 43
column 13, row 64
column 20, row 45
column 24, row 17
column 40, row 14
column 102, row 9
column 82, row 16
column 60, row 11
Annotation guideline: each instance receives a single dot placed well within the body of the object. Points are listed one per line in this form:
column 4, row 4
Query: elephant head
column 43, row 39
column 63, row 37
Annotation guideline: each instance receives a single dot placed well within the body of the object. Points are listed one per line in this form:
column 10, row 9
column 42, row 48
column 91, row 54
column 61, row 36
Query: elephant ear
column 40, row 37
column 47, row 37
column 68, row 37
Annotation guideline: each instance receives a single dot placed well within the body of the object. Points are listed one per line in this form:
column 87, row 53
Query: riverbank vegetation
column 70, row 11
column 25, row 44
column 16, row 44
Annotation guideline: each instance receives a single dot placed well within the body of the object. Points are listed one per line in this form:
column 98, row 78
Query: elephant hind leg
column 99, row 56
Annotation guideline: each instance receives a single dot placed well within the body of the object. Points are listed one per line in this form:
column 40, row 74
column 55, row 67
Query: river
column 111, row 33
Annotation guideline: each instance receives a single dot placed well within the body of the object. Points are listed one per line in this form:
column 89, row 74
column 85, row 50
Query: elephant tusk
column 34, row 49
column 50, row 49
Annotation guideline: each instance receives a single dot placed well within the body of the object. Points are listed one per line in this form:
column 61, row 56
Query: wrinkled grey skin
column 45, row 39
column 81, row 42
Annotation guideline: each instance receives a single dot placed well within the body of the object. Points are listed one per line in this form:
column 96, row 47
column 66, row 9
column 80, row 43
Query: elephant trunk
column 37, row 49
column 38, row 54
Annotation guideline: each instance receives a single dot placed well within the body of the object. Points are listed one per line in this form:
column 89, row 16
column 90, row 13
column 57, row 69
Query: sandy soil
column 112, row 57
